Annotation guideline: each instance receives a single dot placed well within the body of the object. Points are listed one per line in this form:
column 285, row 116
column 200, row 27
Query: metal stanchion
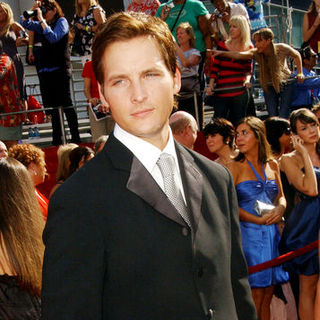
column 64, row 140
column 196, row 111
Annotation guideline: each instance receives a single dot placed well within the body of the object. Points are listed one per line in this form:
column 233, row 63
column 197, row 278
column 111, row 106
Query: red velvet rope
column 285, row 257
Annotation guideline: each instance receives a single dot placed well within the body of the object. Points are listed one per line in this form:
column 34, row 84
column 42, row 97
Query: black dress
column 15, row 303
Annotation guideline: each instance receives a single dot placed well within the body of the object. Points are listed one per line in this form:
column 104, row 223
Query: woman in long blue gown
column 302, row 168
column 256, row 177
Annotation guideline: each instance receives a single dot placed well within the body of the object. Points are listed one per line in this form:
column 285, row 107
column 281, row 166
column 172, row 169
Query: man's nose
column 138, row 92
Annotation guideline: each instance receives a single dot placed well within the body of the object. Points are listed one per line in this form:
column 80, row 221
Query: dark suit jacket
column 117, row 249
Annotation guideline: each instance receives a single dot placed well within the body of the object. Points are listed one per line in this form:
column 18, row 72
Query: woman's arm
column 275, row 215
column 306, row 31
column 87, row 93
column 18, row 29
column 193, row 59
column 243, row 55
column 99, row 17
column 204, row 27
column 305, row 182
column 30, row 46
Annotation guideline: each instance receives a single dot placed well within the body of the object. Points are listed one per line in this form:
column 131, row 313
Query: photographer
column 221, row 16
column 54, row 64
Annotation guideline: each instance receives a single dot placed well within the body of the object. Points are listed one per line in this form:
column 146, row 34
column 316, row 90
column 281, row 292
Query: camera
column 218, row 14
column 33, row 13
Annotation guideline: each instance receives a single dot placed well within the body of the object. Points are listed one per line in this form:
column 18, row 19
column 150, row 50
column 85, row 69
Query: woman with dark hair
column 21, row 249
column 54, row 69
column 310, row 26
column 261, row 206
column 302, row 227
column 219, row 134
column 78, row 157
column 278, row 135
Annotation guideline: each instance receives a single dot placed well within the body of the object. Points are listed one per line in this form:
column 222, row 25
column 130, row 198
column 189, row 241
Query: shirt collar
column 144, row 151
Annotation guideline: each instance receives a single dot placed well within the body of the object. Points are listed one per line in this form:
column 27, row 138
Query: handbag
column 189, row 85
column 33, row 104
column 262, row 208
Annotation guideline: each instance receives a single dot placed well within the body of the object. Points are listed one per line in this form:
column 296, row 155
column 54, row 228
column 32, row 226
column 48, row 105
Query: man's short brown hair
column 124, row 26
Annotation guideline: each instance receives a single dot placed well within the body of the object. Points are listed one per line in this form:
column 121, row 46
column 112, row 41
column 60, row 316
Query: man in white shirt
column 126, row 238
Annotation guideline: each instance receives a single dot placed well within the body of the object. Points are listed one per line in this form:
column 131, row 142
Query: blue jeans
column 275, row 100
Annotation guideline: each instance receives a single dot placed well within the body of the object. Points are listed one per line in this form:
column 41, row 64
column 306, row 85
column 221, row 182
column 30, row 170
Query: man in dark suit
column 116, row 246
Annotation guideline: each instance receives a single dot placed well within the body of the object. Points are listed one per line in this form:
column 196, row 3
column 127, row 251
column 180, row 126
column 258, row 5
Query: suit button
column 210, row 314
column 200, row 272
column 185, row 231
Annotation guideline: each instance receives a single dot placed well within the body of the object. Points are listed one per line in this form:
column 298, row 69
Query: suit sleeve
column 74, row 261
column 239, row 270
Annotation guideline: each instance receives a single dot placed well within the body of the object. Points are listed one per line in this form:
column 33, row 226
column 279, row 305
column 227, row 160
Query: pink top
column 146, row 6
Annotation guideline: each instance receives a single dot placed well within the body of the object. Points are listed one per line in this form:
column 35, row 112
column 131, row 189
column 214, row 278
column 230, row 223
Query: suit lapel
column 142, row 184
column 192, row 183
column 140, row 181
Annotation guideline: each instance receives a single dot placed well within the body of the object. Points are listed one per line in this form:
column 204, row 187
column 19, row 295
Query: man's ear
column 102, row 96
column 177, row 81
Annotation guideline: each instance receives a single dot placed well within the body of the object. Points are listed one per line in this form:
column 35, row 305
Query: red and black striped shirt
column 229, row 73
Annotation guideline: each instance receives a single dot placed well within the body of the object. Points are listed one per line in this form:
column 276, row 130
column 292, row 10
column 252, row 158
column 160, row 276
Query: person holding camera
column 221, row 16
column 55, row 67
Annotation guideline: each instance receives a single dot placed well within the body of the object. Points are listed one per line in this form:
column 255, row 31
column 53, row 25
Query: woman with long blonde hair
column 21, row 248
column 12, row 34
column 232, row 77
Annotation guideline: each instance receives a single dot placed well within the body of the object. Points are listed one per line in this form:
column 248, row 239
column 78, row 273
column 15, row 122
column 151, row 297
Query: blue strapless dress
column 260, row 242
column 302, row 228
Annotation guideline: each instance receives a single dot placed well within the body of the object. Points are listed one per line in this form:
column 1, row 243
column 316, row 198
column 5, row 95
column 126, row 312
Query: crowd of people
column 142, row 227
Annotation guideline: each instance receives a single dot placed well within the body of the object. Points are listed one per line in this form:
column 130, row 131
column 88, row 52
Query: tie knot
column 166, row 164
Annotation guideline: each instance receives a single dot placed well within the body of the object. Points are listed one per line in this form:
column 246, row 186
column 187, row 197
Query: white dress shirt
column 148, row 155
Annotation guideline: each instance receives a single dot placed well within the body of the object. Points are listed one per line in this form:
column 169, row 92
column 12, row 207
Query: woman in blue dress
column 256, row 177
column 302, row 168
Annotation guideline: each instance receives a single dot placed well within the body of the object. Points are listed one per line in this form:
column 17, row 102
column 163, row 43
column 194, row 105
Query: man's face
column 262, row 44
column 3, row 150
column 221, row 5
column 139, row 88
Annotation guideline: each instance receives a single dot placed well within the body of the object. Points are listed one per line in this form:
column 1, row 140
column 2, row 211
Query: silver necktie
column 167, row 167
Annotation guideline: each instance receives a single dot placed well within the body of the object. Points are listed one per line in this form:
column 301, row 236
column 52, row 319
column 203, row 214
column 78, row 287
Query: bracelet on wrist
column 30, row 46
column 300, row 75
column 88, row 29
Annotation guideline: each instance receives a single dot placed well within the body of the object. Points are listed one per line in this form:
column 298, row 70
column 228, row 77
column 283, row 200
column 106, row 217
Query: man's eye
column 151, row 75
column 118, row 82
